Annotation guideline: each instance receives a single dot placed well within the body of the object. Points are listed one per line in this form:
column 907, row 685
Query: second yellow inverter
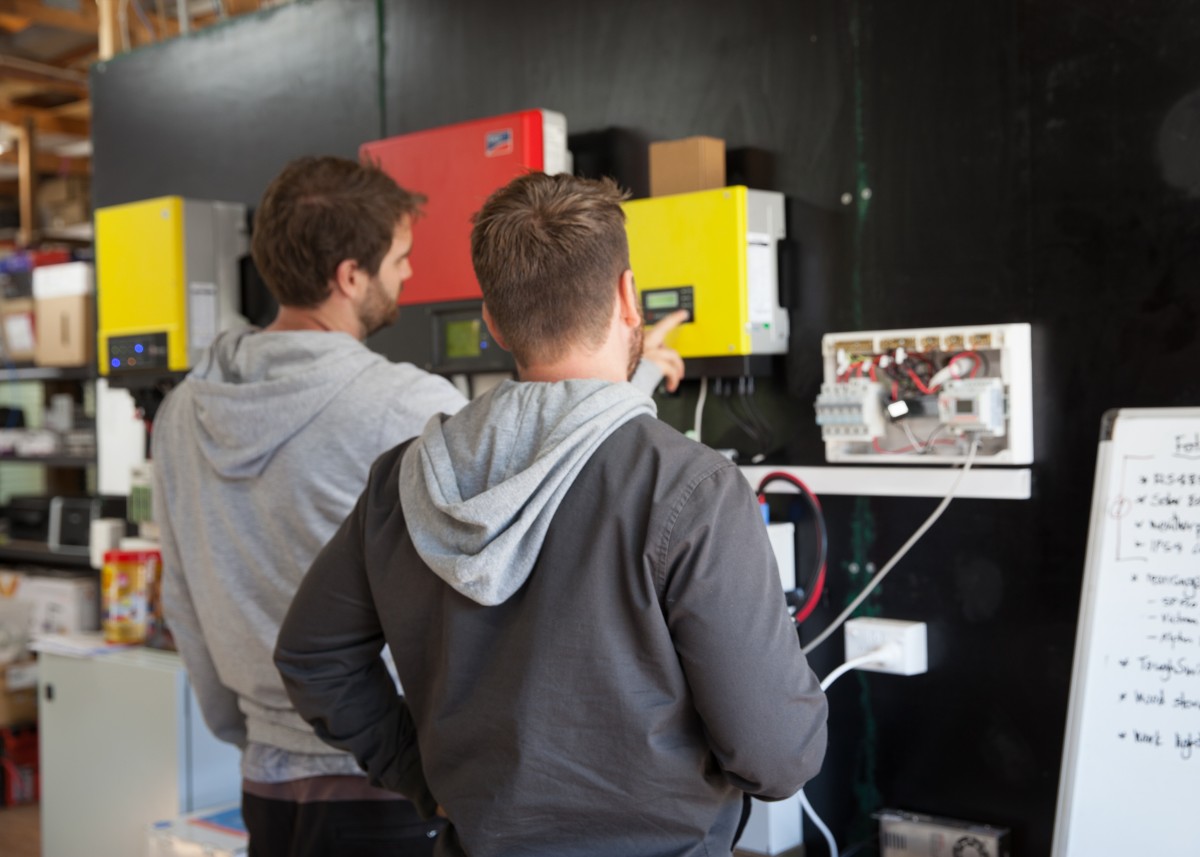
column 167, row 281
column 715, row 254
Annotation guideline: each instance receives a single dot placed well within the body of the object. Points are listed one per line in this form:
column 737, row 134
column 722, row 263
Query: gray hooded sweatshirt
column 258, row 456
column 586, row 615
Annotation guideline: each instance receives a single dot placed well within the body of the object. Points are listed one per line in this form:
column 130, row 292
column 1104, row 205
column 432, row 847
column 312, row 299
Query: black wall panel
column 1006, row 160
column 217, row 114
column 763, row 73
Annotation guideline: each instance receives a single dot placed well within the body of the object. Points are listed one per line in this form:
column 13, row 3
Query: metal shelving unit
column 16, row 551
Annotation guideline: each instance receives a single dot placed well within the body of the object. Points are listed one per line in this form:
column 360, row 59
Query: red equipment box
column 19, row 782
column 457, row 167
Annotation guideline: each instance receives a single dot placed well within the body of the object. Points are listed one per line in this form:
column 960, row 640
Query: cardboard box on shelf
column 65, row 330
column 17, row 329
column 18, row 693
column 63, row 602
column 687, row 165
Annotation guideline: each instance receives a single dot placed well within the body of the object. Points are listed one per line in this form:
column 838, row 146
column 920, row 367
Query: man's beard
column 635, row 350
column 378, row 310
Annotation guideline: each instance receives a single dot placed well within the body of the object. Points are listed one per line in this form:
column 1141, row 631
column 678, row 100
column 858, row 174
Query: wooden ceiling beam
column 46, row 122
column 14, row 23
column 46, row 75
column 86, row 51
column 83, row 21
column 49, row 164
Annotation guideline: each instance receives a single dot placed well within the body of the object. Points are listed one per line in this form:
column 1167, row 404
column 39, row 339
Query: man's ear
column 491, row 326
column 348, row 278
column 627, row 300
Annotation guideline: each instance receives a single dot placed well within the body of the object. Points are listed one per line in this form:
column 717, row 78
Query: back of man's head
column 319, row 212
column 549, row 252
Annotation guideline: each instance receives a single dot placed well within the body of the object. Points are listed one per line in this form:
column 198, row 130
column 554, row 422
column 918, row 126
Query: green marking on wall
column 867, row 797
column 381, row 71
column 861, row 180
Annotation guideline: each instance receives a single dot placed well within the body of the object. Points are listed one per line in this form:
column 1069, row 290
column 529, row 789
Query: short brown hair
column 549, row 252
column 319, row 212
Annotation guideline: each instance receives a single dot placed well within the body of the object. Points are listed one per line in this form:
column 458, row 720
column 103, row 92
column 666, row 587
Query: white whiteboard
column 1131, row 762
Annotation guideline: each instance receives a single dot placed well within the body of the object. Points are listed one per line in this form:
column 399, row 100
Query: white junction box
column 910, row 834
column 774, row 827
column 783, row 543
column 924, row 395
column 908, row 655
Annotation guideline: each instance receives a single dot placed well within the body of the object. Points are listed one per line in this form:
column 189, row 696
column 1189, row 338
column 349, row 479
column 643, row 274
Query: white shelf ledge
column 979, row 484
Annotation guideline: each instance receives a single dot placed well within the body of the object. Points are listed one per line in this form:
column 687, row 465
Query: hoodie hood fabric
column 479, row 489
column 291, row 375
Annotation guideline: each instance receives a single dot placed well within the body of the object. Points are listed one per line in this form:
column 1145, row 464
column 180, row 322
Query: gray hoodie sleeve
column 328, row 653
column 762, row 706
column 647, row 376
column 218, row 703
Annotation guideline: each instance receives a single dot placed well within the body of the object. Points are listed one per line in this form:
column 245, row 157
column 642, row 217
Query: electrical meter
column 713, row 253
column 167, row 282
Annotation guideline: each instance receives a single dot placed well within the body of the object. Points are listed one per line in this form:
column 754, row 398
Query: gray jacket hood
column 480, row 488
column 293, row 375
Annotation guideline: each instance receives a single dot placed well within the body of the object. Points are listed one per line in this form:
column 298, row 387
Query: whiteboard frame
column 1087, row 607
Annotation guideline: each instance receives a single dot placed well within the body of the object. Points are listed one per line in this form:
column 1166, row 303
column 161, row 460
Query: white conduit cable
column 700, row 408
column 899, row 555
column 869, row 657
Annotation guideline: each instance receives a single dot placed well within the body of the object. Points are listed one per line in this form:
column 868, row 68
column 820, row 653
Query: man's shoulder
column 647, row 444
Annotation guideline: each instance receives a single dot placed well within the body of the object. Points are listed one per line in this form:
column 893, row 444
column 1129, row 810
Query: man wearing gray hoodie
column 258, row 456
column 582, row 603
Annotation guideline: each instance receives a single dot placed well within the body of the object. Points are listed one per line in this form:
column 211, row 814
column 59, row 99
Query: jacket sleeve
column 329, row 656
column 218, row 703
column 762, row 707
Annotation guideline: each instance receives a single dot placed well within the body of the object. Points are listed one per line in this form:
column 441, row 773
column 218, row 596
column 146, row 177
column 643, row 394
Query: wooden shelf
column 50, row 460
column 14, row 550
column 27, row 372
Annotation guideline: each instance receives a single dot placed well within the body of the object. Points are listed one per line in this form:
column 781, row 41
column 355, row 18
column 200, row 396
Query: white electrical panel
column 924, row 395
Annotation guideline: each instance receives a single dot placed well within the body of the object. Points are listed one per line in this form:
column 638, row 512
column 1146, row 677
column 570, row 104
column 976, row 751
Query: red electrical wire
column 920, row 384
column 976, row 361
column 812, row 596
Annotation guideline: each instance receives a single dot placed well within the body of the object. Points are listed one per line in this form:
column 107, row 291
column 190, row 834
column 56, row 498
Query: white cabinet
column 123, row 744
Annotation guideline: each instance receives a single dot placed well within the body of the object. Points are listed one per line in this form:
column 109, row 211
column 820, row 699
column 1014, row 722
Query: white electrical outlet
column 922, row 395
column 907, row 657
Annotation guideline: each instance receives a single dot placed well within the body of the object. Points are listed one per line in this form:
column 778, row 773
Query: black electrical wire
column 753, row 411
column 745, row 427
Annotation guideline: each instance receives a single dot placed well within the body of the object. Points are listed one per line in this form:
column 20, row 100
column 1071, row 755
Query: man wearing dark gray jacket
column 582, row 604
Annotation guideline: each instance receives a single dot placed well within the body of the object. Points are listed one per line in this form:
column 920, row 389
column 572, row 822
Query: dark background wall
column 1025, row 161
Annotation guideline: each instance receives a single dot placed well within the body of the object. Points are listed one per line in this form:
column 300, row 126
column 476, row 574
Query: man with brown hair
column 258, row 456
column 583, row 604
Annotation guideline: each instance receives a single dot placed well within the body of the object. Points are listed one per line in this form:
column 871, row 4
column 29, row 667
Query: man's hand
column 666, row 359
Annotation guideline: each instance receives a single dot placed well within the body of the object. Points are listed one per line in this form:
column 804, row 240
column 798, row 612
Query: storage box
column 65, row 326
column 17, row 337
column 18, row 693
column 217, row 832
column 63, row 602
column 19, row 781
column 683, row 166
